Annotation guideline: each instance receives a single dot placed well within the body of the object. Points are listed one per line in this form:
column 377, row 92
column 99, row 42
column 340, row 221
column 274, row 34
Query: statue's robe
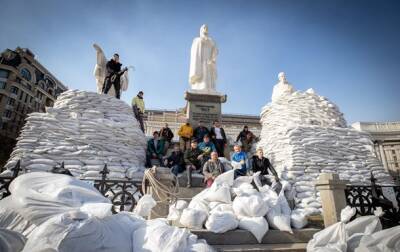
column 203, row 70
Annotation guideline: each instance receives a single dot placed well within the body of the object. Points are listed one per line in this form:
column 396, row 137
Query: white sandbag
column 11, row 241
column 332, row 238
column 193, row 218
column 241, row 180
column 258, row 226
column 222, row 208
column 145, row 205
column 76, row 231
column 359, row 227
column 10, row 218
column 225, row 178
column 278, row 215
column 38, row 196
column 298, row 219
column 175, row 210
column 387, row 240
column 250, row 206
column 219, row 193
column 245, row 189
column 199, row 205
column 221, row 222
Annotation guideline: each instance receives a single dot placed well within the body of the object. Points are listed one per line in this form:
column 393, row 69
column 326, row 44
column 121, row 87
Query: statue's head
column 204, row 31
column 282, row 77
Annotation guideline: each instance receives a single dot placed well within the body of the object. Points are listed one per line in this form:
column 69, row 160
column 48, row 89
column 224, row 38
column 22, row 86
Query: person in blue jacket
column 206, row 148
column 240, row 157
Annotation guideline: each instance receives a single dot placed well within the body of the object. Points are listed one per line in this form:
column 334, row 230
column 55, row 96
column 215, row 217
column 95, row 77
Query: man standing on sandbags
column 212, row 169
column 138, row 108
column 113, row 77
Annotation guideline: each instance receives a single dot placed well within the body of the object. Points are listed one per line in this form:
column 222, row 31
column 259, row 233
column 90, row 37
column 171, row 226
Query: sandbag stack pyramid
column 84, row 130
column 305, row 134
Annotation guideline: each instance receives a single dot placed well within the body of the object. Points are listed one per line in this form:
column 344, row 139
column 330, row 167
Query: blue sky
column 348, row 51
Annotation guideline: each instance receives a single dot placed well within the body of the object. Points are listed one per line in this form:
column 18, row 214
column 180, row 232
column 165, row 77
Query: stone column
column 383, row 156
column 333, row 197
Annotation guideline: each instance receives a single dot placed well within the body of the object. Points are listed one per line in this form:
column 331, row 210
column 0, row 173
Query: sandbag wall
column 84, row 130
column 305, row 134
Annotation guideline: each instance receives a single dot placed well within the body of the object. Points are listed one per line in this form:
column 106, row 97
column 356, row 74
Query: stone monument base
column 203, row 107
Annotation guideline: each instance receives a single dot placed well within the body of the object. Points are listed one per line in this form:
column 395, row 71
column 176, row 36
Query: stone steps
column 287, row 247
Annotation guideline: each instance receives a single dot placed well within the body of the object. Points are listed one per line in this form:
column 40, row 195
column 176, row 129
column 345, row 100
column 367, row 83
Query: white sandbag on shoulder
column 144, row 205
column 221, row 222
column 11, row 241
column 193, row 218
column 258, row 226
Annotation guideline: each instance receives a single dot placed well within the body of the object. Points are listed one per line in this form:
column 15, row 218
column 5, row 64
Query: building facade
column 386, row 137
column 25, row 86
column 155, row 119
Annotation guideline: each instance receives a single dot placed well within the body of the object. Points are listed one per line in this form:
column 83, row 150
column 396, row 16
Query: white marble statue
column 100, row 72
column 283, row 87
column 203, row 68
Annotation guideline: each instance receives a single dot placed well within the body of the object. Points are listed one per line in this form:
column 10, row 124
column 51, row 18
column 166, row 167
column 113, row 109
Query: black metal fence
column 123, row 194
column 366, row 199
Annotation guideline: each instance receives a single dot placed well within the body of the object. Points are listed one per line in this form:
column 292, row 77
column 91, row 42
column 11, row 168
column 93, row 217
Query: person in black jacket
column 167, row 135
column 113, row 76
column 242, row 135
column 175, row 161
column 259, row 163
column 219, row 138
column 200, row 131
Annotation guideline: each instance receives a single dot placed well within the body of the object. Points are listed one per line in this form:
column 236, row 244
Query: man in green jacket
column 155, row 149
column 138, row 108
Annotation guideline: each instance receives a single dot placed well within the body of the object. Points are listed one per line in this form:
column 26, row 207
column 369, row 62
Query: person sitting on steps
column 192, row 160
column 155, row 149
column 175, row 161
column 212, row 169
column 239, row 161
column 185, row 134
column 206, row 147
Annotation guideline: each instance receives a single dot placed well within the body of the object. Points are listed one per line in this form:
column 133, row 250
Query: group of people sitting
column 202, row 154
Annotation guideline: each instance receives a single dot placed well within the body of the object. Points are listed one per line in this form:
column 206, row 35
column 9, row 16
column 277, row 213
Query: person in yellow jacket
column 185, row 134
column 138, row 108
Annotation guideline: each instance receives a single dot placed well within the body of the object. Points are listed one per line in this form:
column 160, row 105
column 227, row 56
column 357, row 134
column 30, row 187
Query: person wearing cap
column 192, row 158
column 185, row 134
column 113, row 75
column 212, row 169
column 138, row 108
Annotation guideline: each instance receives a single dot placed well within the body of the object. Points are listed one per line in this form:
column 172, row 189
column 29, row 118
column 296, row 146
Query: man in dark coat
column 167, row 135
column 200, row 131
column 192, row 157
column 261, row 164
column 113, row 76
column 155, row 149
column 175, row 161
column 219, row 138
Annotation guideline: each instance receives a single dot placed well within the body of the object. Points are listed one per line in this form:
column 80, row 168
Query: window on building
column 23, row 109
column 21, row 95
column 7, row 113
column 4, row 126
column 31, row 98
column 11, row 101
column 4, row 73
column 26, row 74
column 14, row 90
column 26, row 98
column 393, row 152
column 3, row 85
column 29, row 86
column 18, row 105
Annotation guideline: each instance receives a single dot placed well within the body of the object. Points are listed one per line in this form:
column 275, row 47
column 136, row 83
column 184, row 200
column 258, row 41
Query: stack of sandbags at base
column 84, row 130
column 304, row 134
column 363, row 234
column 65, row 214
column 230, row 204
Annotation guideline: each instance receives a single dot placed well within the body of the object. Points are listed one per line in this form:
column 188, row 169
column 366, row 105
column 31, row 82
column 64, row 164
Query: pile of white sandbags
column 84, row 130
column 363, row 234
column 66, row 214
column 304, row 134
column 229, row 204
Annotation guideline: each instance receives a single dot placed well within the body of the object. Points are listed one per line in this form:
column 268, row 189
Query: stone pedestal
column 204, row 107
column 333, row 197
